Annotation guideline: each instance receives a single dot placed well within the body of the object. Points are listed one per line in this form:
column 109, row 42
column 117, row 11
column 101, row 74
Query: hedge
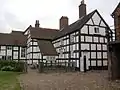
column 10, row 65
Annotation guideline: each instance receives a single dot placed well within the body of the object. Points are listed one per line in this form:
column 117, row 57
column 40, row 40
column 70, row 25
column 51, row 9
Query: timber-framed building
column 85, row 37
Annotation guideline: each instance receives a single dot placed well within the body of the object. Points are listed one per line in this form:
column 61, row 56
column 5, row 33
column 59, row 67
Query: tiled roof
column 76, row 25
column 14, row 38
column 47, row 48
column 43, row 33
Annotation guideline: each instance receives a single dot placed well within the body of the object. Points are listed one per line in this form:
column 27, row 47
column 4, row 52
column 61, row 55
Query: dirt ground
column 92, row 80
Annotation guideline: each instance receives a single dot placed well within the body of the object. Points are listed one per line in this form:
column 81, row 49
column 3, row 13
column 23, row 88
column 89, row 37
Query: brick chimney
column 63, row 22
column 82, row 9
column 37, row 23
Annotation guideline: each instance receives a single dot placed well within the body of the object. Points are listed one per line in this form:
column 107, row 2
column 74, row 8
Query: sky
column 19, row 14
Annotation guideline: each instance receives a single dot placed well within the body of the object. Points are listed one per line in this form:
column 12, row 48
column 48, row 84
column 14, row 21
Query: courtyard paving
column 91, row 80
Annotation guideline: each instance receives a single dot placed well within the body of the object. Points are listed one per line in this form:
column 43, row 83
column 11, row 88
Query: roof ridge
column 45, row 28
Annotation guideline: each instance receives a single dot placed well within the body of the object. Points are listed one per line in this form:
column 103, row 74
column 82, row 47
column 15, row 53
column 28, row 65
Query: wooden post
column 55, row 66
column 65, row 66
column 51, row 64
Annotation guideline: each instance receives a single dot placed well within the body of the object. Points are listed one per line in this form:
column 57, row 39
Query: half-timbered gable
column 85, row 37
column 94, row 41
column 39, row 44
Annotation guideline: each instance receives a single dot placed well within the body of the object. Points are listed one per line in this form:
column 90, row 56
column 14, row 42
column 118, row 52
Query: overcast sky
column 19, row 14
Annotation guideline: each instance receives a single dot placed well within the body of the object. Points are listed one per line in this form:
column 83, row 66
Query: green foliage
column 9, row 65
column 7, row 68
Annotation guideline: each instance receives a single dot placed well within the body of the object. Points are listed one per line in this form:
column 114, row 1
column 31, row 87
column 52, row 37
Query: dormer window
column 96, row 30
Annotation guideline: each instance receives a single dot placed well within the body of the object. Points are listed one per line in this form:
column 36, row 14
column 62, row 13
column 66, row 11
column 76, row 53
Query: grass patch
column 8, row 81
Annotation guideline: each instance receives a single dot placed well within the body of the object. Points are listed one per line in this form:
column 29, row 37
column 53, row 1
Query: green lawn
column 8, row 81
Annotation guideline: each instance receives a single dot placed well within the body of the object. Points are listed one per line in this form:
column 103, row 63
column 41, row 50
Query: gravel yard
column 91, row 80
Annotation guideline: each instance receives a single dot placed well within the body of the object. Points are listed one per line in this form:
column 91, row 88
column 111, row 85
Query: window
column 71, row 38
column 61, row 42
column 3, row 57
column 22, row 52
column 96, row 30
column 9, row 57
column 9, row 47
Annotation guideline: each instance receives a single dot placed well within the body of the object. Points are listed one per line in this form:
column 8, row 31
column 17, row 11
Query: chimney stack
column 63, row 22
column 82, row 9
column 37, row 23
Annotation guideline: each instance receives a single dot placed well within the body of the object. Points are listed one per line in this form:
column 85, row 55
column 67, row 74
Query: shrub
column 7, row 68
column 9, row 65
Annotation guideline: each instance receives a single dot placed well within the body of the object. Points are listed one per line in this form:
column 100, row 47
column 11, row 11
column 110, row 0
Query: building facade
column 86, row 37
column 13, row 46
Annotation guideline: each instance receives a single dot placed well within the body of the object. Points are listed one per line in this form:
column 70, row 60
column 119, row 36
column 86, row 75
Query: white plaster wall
column 36, row 49
column 77, row 63
column 104, row 47
column 102, row 31
column 28, row 40
column 85, row 46
column 96, row 19
column 77, row 46
column 101, row 40
column 9, row 52
column 90, row 22
column 84, row 30
column 77, row 39
column 104, row 54
column 15, row 55
column 3, row 47
column 37, row 55
column 82, row 38
column 29, row 36
column 29, row 61
column 105, row 63
column 30, row 49
column 15, row 48
column 99, row 63
column 98, row 46
column 77, row 55
column 29, row 56
column 102, row 24
column 99, row 55
column 105, row 40
column 88, row 38
column 93, row 54
column 3, row 53
column 93, row 46
column 30, row 43
column 95, row 39
column 93, row 63
column 91, row 30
